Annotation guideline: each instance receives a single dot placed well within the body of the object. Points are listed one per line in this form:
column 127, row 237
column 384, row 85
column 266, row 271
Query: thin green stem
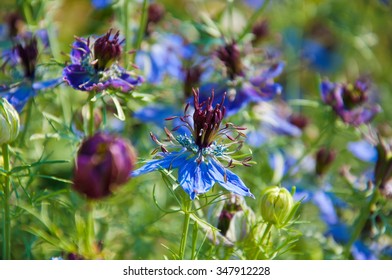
column 252, row 20
column 91, row 116
column 266, row 232
column 6, row 203
column 194, row 239
column 142, row 26
column 90, row 235
column 29, row 108
column 126, row 31
column 184, row 236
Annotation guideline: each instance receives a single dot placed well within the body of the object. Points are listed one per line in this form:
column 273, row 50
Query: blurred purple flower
column 95, row 65
column 25, row 55
column 258, row 88
column 350, row 102
column 197, row 156
column 103, row 163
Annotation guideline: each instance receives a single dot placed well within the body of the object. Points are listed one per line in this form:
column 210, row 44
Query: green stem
column 29, row 108
column 252, row 20
column 266, row 232
column 187, row 208
column 194, row 239
column 91, row 116
column 142, row 26
column 126, row 32
column 90, row 235
column 7, row 216
column 360, row 223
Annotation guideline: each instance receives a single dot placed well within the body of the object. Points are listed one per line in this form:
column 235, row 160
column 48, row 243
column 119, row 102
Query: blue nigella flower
column 25, row 54
column 350, row 101
column 259, row 88
column 197, row 156
column 95, row 66
column 164, row 58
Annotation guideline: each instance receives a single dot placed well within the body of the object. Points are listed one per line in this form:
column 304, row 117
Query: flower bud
column 9, row 122
column 103, row 163
column 276, row 205
column 324, row 159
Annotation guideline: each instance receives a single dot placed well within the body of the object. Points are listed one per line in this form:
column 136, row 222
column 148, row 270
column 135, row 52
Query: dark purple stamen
column 28, row 54
column 354, row 95
column 107, row 49
column 206, row 119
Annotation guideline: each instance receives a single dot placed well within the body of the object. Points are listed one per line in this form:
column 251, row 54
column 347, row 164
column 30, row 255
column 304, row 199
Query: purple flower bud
column 260, row 30
column 324, row 159
column 155, row 12
column 231, row 57
column 383, row 169
column 103, row 163
column 231, row 207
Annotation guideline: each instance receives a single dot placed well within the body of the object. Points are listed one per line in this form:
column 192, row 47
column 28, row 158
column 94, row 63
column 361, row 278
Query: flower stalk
column 185, row 229
column 6, row 203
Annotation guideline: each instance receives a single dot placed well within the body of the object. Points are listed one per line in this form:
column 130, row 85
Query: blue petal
column 195, row 178
column 232, row 183
column 169, row 161
column 47, row 84
column 361, row 252
column 363, row 150
column 78, row 78
column 19, row 96
column 101, row 4
column 327, row 209
column 80, row 50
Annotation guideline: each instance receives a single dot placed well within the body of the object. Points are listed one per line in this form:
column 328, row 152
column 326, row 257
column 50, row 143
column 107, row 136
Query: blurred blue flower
column 101, row 4
column 363, row 150
column 313, row 50
column 258, row 88
column 164, row 58
column 197, row 156
column 350, row 101
column 275, row 120
column 95, row 66
column 25, row 55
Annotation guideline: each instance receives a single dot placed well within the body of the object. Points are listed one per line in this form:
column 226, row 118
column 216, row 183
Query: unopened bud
column 9, row 122
column 276, row 205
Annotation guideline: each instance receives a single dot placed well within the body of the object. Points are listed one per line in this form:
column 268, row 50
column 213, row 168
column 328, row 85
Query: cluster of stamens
column 206, row 133
column 28, row 53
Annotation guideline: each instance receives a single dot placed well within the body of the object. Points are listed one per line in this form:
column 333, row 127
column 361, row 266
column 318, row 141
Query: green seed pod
column 276, row 205
column 9, row 122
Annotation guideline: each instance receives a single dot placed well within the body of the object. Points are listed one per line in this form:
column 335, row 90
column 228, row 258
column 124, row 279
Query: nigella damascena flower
column 350, row 101
column 103, row 163
column 197, row 155
column 253, row 88
column 24, row 55
column 95, row 65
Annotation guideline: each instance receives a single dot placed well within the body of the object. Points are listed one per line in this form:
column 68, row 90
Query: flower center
column 354, row 95
column 107, row 49
column 206, row 120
